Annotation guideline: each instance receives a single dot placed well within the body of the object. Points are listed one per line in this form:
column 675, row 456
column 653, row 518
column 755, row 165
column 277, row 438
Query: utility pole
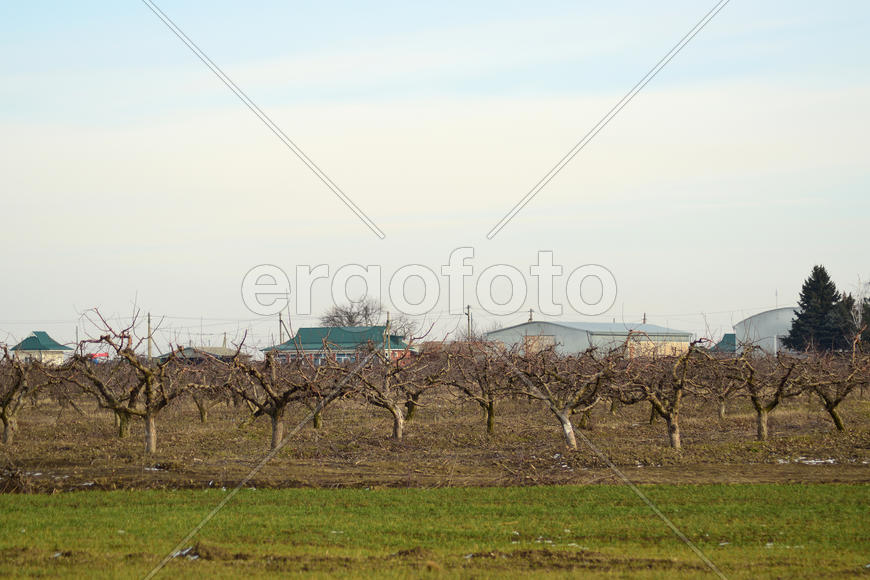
column 149, row 337
column 280, row 329
column 644, row 318
column 530, row 314
column 387, row 337
column 468, row 315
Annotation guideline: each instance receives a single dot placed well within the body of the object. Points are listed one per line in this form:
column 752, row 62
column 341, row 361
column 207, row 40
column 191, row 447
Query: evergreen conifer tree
column 824, row 320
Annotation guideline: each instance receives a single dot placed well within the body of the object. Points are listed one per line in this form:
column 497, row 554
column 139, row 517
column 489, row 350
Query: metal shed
column 574, row 337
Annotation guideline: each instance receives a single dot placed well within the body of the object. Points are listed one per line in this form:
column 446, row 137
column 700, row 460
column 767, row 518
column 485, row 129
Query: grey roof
column 608, row 327
column 196, row 352
column 621, row 327
column 794, row 309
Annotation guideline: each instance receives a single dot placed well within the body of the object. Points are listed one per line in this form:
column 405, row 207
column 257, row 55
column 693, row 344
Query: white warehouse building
column 575, row 337
column 766, row 329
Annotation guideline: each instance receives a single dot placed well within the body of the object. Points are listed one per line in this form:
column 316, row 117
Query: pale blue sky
column 131, row 173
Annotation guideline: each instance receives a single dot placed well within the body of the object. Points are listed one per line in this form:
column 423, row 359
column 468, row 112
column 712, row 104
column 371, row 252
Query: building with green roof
column 728, row 344
column 40, row 347
column 341, row 342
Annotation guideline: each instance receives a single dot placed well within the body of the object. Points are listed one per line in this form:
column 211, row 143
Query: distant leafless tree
column 363, row 312
column 367, row 312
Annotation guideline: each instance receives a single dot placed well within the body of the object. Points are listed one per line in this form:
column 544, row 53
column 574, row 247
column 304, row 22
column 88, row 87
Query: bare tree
column 208, row 384
column 363, row 312
column 367, row 312
column 834, row 377
column 566, row 384
column 396, row 385
column 133, row 387
column 480, row 376
column 270, row 387
column 767, row 381
column 663, row 381
column 718, row 381
column 19, row 382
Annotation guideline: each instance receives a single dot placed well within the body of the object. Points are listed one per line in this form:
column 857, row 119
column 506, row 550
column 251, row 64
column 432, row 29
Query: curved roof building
column 766, row 329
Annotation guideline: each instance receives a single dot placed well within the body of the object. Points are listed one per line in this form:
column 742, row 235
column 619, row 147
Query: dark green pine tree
column 823, row 321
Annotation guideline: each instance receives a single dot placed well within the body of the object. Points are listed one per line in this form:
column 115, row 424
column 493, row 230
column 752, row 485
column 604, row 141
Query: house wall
column 49, row 357
column 643, row 345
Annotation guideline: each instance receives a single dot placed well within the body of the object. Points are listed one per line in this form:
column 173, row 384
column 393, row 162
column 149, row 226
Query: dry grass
column 445, row 445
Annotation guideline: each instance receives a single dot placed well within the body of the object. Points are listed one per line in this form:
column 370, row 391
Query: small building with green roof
column 343, row 343
column 38, row 346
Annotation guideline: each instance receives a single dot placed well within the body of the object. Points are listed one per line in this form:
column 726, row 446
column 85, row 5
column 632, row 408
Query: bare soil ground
column 445, row 445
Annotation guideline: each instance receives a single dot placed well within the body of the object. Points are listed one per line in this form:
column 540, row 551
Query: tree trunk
column 614, row 406
column 277, row 430
column 761, row 419
column 652, row 414
column 490, row 417
column 398, row 423
column 10, row 426
column 567, row 429
column 673, row 432
column 583, row 423
column 150, row 433
column 122, row 423
column 410, row 410
column 721, row 409
column 317, row 421
column 831, row 408
column 202, row 406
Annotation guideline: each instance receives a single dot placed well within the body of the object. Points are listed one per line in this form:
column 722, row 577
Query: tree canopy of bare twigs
column 479, row 375
column 567, row 384
column 133, row 385
column 768, row 381
column 270, row 387
column 18, row 380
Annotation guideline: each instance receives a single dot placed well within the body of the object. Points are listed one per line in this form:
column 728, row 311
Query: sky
column 134, row 180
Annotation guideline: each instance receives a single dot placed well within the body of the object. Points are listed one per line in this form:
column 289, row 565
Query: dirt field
column 445, row 445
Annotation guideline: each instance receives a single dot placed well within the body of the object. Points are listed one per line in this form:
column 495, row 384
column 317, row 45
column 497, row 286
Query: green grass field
column 749, row 531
